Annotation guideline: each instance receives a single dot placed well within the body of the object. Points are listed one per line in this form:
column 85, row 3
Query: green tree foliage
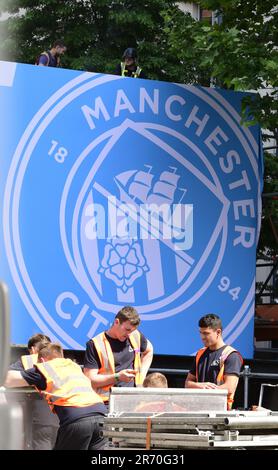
column 238, row 52
column 95, row 31
column 268, row 243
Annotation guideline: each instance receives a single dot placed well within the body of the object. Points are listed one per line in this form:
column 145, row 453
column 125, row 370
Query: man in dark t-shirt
column 216, row 366
column 119, row 357
column 123, row 356
column 209, row 365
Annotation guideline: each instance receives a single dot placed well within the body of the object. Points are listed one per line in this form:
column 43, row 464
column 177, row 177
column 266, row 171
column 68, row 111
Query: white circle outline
column 7, row 238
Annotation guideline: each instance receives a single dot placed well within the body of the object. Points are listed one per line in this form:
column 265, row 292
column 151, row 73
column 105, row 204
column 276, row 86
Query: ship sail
column 171, row 178
column 139, row 187
column 164, row 189
column 139, row 191
column 144, row 178
column 163, row 193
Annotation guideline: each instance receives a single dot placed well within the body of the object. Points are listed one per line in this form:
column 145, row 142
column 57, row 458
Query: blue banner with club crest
column 118, row 191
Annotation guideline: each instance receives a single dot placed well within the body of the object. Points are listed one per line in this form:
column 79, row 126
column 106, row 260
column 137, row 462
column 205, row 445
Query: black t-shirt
column 209, row 365
column 66, row 414
column 118, row 71
column 16, row 365
column 123, row 356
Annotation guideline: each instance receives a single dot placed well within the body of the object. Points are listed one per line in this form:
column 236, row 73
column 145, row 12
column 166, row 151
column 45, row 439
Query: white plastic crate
column 161, row 400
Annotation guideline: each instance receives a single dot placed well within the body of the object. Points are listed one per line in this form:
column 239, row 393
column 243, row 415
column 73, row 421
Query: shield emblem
column 119, row 252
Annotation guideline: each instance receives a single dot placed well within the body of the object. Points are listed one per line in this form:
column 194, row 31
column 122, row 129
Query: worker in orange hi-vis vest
column 120, row 356
column 69, row 394
column 217, row 365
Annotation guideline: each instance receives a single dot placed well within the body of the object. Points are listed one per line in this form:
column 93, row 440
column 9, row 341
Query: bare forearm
column 230, row 385
column 15, row 379
column 100, row 380
column 192, row 384
column 146, row 363
column 200, row 385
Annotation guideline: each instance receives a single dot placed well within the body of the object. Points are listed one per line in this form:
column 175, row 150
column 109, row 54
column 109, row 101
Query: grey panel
column 11, row 427
column 4, row 332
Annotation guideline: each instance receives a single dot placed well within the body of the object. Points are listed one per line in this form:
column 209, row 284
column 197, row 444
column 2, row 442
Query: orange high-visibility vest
column 106, row 358
column 220, row 377
column 29, row 361
column 66, row 384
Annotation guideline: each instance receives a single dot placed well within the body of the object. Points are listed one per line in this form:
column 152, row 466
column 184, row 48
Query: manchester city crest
column 132, row 192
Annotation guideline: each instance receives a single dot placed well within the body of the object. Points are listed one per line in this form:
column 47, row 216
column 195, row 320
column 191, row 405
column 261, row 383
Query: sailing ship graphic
column 141, row 186
column 126, row 260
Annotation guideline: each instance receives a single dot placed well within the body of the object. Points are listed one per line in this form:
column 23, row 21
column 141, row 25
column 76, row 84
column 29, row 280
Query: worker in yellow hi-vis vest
column 69, row 395
column 129, row 66
column 43, row 424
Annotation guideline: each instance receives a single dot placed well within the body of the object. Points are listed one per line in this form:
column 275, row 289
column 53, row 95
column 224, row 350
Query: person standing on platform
column 44, row 424
column 217, row 365
column 120, row 356
column 129, row 67
column 52, row 58
column 69, row 394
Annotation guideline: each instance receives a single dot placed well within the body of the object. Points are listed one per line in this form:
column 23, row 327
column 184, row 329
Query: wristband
column 116, row 377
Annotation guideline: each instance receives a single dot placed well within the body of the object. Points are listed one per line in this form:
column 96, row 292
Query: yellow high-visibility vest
column 29, row 361
column 66, row 384
column 134, row 74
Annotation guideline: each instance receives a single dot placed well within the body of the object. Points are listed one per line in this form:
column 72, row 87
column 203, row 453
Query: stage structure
column 118, row 191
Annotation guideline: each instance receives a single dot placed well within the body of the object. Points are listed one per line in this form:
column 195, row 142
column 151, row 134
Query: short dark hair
column 156, row 379
column 130, row 53
column 210, row 321
column 128, row 314
column 50, row 351
column 58, row 43
column 37, row 338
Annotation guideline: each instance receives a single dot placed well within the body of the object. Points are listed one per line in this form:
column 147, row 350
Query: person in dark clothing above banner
column 217, row 365
column 129, row 67
column 120, row 356
column 69, row 394
column 52, row 58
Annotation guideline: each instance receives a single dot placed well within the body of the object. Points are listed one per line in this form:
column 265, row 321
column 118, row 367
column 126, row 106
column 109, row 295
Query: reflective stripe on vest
column 135, row 74
column 197, row 359
column 220, row 377
column 107, row 364
column 66, row 384
column 135, row 340
column 29, row 361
